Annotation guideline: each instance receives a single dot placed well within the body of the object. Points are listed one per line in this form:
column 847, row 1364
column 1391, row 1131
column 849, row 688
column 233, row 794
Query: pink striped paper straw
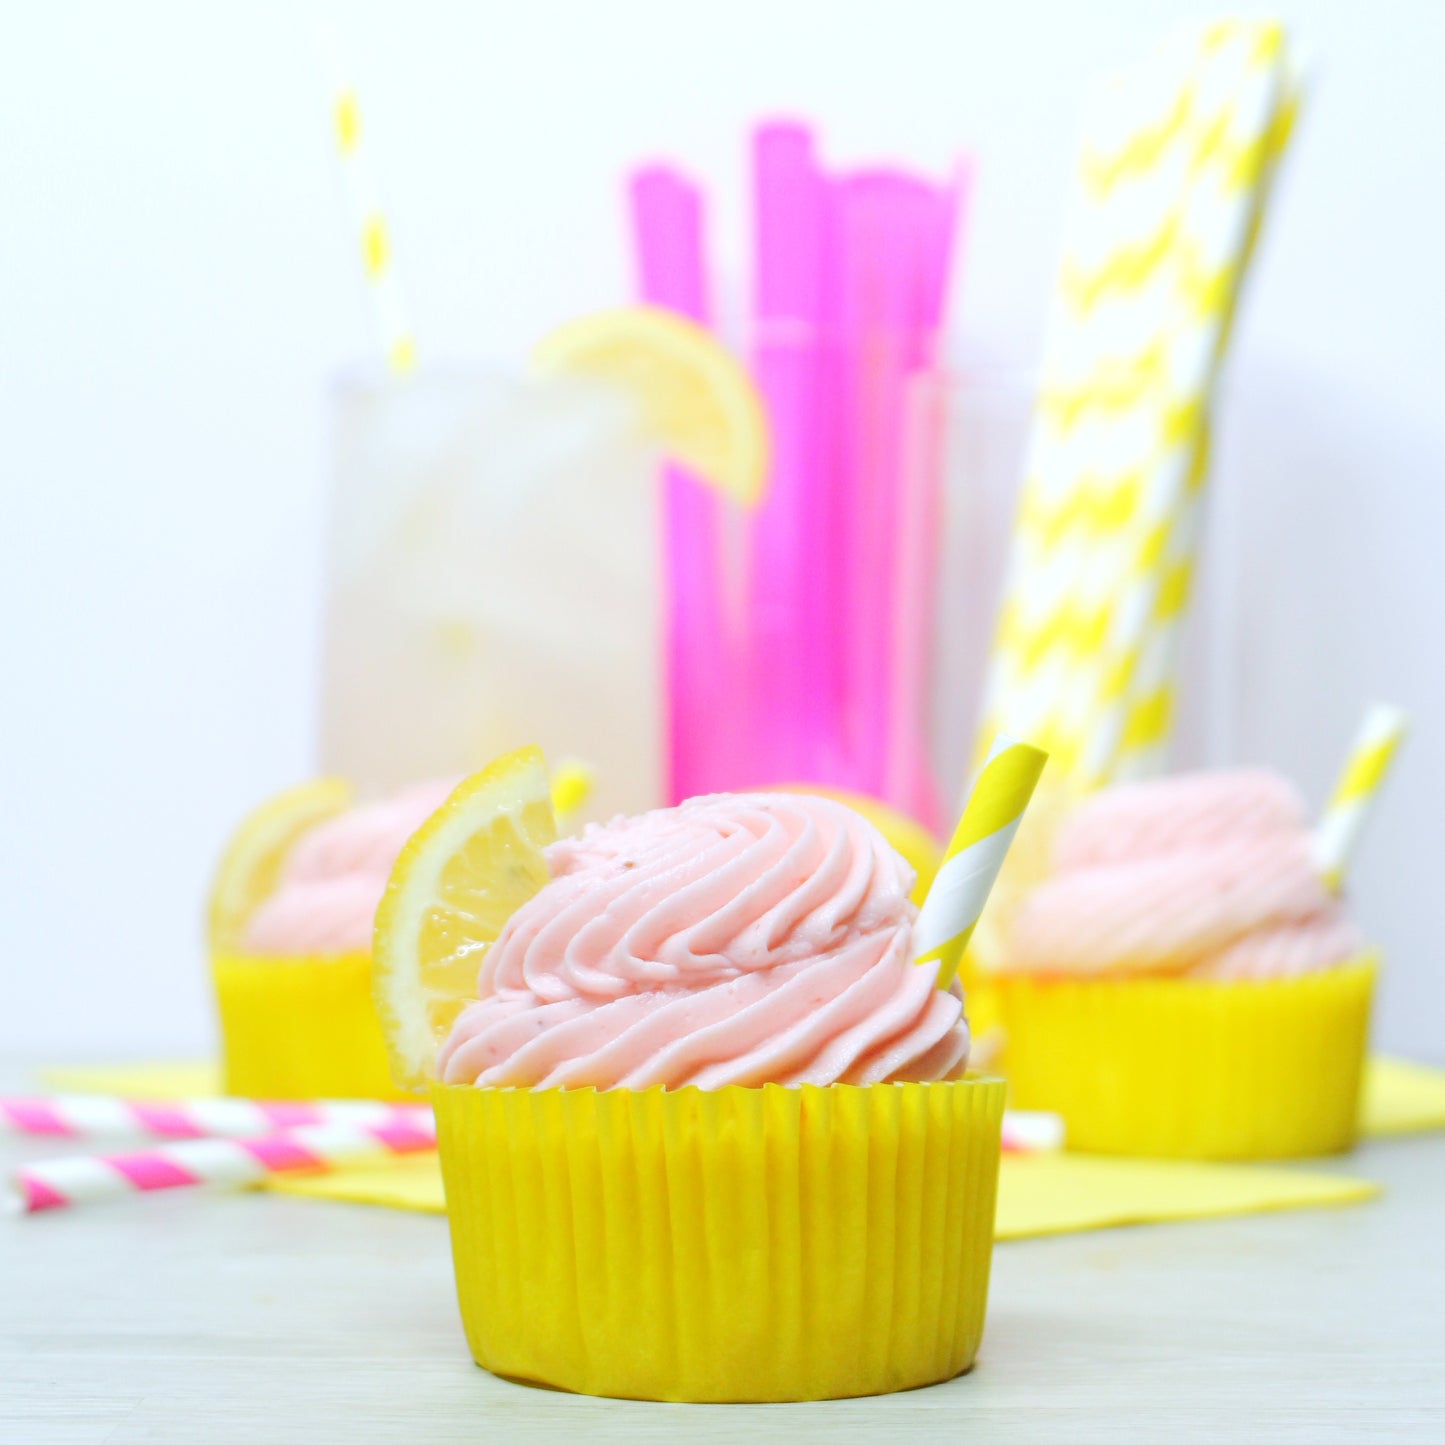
column 1028, row 1132
column 213, row 1163
column 700, row 670
column 789, row 688
column 79, row 1116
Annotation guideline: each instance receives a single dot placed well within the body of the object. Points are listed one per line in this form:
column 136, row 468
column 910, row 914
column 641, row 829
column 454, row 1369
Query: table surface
column 257, row 1317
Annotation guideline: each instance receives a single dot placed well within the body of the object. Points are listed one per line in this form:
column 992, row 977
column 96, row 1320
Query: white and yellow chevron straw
column 362, row 199
column 1227, row 210
column 1167, row 199
column 972, row 861
column 1356, row 792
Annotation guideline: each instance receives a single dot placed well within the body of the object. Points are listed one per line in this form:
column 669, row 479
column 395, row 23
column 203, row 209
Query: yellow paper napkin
column 412, row 1182
column 1066, row 1193
column 1042, row 1194
column 1401, row 1098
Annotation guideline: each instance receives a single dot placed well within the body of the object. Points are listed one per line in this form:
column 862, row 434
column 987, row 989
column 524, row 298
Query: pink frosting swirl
column 1186, row 812
column 1207, row 875
column 325, row 899
column 732, row 940
column 1286, row 951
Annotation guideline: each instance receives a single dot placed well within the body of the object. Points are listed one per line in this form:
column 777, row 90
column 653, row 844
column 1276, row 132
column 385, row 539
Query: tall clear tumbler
column 491, row 582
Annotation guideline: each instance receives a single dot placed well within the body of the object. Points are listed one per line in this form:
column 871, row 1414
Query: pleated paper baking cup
column 1181, row 1068
column 743, row 1244
column 300, row 1027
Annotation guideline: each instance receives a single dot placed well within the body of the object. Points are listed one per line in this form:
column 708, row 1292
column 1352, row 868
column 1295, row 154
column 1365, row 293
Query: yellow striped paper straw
column 1235, row 170
column 1339, row 829
column 973, row 858
column 1211, row 189
column 1240, row 89
column 572, row 784
column 1091, row 445
column 374, row 237
column 1167, row 198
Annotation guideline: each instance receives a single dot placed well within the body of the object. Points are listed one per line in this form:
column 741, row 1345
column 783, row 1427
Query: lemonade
column 491, row 581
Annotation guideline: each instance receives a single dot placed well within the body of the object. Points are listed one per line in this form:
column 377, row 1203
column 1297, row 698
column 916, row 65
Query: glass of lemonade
column 492, row 580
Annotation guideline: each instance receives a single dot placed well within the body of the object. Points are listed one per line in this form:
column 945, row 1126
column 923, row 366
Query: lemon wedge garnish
column 463, row 874
column 251, row 862
column 696, row 399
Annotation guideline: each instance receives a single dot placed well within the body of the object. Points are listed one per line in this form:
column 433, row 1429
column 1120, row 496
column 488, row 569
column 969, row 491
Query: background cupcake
column 1185, row 981
column 290, row 938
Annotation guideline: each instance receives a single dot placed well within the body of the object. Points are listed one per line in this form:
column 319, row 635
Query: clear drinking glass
column 491, row 582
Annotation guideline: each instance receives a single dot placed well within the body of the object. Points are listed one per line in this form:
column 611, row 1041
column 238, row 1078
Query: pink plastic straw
column 789, row 689
column 943, row 223
column 667, row 229
column 836, row 459
column 881, row 250
column 909, row 783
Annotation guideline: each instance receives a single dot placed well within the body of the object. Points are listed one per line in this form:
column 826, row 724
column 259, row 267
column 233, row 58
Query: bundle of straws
column 1173, row 175
column 797, row 640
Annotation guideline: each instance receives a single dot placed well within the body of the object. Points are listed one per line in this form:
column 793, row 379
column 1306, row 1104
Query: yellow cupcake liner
column 1181, row 1068
column 300, row 1027
column 744, row 1244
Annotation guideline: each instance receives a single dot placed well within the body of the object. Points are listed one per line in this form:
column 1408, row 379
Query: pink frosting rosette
column 735, row 939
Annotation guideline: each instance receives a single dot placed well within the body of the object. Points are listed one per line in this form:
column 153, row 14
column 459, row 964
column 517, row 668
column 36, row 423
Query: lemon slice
column 920, row 849
column 697, row 400
column 464, row 873
column 251, row 862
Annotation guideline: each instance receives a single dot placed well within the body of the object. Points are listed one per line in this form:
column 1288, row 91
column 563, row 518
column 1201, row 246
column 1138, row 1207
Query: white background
column 177, row 284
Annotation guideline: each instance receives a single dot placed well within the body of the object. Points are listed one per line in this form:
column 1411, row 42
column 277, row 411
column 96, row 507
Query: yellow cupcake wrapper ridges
column 744, row 1244
column 1180, row 1068
column 300, row 1027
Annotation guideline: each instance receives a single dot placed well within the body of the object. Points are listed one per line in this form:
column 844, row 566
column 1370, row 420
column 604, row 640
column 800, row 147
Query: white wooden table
column 261, row 1318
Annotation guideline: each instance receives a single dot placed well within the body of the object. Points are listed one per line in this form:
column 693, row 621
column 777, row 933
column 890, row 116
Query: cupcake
column 1183, row 982
column 290, row 940
column 704, row 1124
